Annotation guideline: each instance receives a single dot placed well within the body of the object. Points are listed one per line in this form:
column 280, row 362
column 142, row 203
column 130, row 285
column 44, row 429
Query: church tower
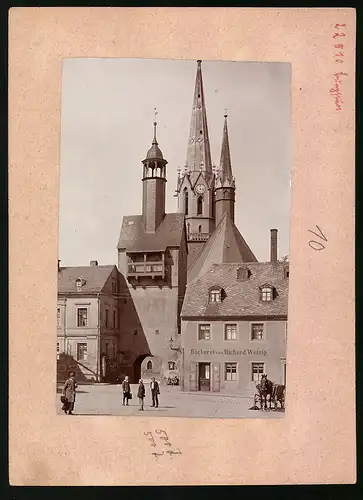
column 195, row 188
column 225, row 188
column 153, row 192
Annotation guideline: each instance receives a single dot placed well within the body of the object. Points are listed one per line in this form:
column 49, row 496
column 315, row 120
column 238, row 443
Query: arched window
column 186, row 201
column 200, row 205
column 199, row 229
column 149, row 365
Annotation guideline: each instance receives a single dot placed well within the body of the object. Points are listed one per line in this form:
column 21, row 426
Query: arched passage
column 136, row 372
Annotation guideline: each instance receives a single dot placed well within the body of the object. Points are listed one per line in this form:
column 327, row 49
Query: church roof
column 241, row 298
column 133, row 237
column 226, row 244
column 95, row 278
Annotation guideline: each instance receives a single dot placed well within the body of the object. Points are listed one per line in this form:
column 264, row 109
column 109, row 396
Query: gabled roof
column 242, row 297
column 226, row 244
column 133, row 237
column 95, row 278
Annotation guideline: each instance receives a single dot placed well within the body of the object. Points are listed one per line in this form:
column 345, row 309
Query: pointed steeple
column 225, row 184
column 225, row 168
column 198, row 153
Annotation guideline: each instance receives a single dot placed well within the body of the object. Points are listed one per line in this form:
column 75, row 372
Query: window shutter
column 216, row 377
column 193, row 376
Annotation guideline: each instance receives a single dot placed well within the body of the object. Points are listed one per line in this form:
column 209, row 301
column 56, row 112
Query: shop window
column 204, row 332
column 230, row 372
column 258, row 370
column 257, row 331
column 230, row 332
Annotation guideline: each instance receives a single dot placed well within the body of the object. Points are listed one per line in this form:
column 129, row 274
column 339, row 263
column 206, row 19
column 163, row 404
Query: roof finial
column 225, row 113
column 199, row 62
column 155, row 123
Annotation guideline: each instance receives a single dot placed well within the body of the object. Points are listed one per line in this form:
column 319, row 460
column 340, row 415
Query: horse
column 265, row 390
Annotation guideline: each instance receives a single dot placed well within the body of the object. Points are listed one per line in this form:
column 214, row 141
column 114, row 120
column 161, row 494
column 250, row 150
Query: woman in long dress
column 69, row 392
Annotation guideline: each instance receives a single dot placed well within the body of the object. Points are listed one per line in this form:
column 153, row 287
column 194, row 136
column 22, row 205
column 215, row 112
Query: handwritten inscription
column 335, row 91
column 160, row 441
column 317, row 245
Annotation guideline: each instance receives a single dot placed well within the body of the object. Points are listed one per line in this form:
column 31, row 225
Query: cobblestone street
column 107, row 400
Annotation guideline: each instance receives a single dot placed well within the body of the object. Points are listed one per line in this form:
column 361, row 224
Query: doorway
column 204, row 377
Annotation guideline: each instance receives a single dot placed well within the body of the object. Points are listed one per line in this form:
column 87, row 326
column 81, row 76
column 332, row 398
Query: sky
column 107, row 115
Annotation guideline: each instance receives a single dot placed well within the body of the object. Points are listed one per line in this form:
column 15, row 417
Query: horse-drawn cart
column 268, row 393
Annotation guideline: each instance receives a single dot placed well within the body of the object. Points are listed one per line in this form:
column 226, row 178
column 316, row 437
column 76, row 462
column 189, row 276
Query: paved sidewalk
column 107, row 400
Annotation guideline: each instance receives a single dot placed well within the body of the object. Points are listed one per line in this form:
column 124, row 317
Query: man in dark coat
column 154, row 386
column 69, row 393
column 126, row 391
column 141, row 394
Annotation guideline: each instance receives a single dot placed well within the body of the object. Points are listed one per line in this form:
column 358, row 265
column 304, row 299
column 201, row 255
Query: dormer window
column 266, row 293
column 79, row 283
column 243, row 274
column 215, row 294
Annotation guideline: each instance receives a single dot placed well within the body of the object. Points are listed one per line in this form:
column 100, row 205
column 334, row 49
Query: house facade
column 234, row 327
column 88, row 322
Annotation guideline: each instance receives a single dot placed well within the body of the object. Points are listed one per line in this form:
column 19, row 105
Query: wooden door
column 204, row 377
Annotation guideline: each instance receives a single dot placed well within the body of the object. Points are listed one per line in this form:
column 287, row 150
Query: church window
column 149, row 365
column 186, row 201
column 200, row 205
column 215, row 295
column 266, row 293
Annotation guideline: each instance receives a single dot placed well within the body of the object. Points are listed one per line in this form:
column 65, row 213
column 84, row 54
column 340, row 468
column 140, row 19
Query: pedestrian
column 126, row 390
column 69, row 393
column 154, row 386
column 141, row 394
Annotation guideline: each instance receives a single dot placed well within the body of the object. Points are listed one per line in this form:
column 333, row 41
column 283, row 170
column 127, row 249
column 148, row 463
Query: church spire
column 198, row 153
column 224, row 185
column 225, row 170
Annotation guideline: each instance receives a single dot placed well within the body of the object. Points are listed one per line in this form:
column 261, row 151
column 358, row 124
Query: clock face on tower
column 200, row 189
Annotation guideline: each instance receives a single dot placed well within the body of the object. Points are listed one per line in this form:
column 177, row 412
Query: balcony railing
column 141, row 269
column 198, row 236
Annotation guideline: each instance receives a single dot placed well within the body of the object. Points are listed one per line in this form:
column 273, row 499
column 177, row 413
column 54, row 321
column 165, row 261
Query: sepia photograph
column 174, row 225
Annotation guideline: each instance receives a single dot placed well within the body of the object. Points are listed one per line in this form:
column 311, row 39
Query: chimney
column 59, row 265
column 93, row 263
column 273, row 246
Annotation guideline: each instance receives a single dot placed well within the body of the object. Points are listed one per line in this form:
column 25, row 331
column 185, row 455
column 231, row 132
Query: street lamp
column 181, row 350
